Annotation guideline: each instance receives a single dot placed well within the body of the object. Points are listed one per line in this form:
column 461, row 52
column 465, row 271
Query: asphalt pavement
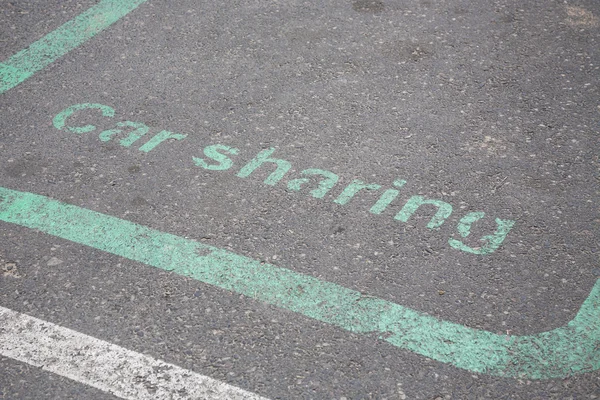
column 301, row 199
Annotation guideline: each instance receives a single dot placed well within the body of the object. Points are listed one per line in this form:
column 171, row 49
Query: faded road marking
column 568, row 350
column 59, row 42
column 105, row 366
column 327, row 180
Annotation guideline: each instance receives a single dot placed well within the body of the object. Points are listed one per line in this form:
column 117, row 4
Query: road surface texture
column 370, row 199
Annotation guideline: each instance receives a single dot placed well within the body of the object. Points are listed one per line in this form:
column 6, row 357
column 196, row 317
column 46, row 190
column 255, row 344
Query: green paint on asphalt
column 387, row 197
column 492, row 242
column 571, row 349
column 59, row 42
column 60, row 120
column 213, row 152
column 325, row 185
column 412, row 205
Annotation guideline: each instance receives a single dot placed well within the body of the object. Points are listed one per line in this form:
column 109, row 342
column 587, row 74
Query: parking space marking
column 62, row 40
column 105, row 366
column 568, row 350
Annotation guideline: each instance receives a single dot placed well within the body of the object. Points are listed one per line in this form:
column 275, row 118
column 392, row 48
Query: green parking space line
column 568, row 350
column 59, row 42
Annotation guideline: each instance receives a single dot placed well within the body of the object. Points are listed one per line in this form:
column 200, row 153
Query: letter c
column 60, row 119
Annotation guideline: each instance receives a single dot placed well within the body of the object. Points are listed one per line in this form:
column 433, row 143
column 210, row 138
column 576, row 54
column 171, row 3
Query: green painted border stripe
column 571, row 349
column 59, row 42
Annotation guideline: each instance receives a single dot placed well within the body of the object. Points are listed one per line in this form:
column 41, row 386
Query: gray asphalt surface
column 489, row 106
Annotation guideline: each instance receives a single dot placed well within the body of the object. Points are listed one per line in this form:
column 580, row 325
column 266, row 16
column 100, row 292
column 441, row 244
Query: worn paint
column 60, row 120
column 282, row 166
column 568, row 350
column 279, row 168
column 139, row 130
column 113, row 369
column 159, row 138
column 325, row 185
column 215, row 152
column 490, row 242
column 62, row 40
column 412, row 205
column 387, row 197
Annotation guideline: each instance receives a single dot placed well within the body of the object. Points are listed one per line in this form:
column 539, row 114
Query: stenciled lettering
column 318, row 182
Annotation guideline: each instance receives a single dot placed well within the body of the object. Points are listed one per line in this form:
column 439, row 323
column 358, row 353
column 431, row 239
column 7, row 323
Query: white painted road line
column 105, row 366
